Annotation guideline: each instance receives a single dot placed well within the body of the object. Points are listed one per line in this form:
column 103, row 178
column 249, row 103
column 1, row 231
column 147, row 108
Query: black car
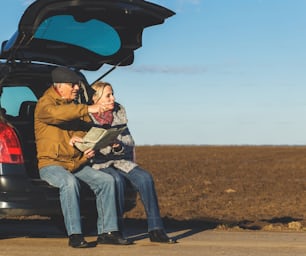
column 81, row 35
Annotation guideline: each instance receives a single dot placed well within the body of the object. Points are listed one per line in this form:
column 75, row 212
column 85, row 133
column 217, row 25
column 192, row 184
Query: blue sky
column 219, row 72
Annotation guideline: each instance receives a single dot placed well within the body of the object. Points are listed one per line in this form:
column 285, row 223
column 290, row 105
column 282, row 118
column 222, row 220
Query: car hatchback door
column 83, row 34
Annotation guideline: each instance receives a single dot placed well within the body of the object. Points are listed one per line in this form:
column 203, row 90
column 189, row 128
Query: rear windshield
column 12, row 97
column 93, row 35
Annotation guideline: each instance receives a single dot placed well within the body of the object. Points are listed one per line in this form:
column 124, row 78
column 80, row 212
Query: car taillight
column 10, row 149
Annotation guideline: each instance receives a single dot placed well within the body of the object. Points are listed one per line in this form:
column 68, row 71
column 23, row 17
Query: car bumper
column 20, row 196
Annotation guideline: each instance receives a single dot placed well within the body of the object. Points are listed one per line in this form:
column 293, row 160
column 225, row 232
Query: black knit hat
column 64, row 75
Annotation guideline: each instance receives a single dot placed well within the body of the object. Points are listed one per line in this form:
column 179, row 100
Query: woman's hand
column 117, row 147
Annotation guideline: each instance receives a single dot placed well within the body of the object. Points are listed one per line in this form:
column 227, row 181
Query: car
column 82, row 35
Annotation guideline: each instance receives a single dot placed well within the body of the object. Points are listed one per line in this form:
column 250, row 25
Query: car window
column 94, row 35
column 12, row 97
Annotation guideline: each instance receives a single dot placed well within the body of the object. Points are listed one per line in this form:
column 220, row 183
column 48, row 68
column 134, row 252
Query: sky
column 219, row 72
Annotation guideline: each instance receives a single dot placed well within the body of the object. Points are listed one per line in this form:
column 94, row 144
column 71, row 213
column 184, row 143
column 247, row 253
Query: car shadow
column 29, row 227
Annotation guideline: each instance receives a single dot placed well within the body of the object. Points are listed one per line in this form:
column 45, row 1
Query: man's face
column 68, row 91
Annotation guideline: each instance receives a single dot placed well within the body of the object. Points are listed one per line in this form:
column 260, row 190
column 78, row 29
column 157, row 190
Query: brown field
column 245, row 187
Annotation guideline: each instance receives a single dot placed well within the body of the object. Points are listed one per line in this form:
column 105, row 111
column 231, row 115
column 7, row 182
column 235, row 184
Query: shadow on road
column 135, row 228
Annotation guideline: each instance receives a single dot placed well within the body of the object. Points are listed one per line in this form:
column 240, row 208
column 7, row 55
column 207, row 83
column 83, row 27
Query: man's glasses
column 74, row 84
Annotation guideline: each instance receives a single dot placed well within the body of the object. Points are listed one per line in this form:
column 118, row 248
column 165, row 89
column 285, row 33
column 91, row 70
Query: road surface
column 42, row 237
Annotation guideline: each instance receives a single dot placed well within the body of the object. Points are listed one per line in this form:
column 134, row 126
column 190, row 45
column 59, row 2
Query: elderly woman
column 117, row 160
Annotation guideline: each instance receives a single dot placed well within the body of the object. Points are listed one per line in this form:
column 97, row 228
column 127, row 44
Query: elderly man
column 57, row 121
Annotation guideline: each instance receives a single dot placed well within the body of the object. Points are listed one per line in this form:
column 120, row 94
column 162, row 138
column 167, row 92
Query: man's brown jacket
column 56, row 121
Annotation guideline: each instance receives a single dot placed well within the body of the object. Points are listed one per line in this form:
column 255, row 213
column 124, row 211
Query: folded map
column 97, row 138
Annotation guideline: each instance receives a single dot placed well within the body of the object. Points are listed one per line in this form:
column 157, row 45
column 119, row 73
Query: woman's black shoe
column 114, row 237
column 77, row 241
column 160, row 236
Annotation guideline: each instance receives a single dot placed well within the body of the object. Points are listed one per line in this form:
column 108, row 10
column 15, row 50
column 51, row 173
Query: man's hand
column 100, row 108
column 75, row 139
column 89, row 153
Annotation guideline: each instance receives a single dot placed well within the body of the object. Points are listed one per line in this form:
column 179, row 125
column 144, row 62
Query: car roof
column 83, row 34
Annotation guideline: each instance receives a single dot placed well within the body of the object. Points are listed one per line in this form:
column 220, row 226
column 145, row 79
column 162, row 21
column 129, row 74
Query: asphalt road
column 42, row 237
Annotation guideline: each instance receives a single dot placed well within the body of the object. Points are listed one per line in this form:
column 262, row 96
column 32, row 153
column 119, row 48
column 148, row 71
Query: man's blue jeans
column 143, row 182
column 101, row 183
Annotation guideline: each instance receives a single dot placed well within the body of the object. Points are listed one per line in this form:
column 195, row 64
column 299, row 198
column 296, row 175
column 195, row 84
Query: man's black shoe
column 160, row 236
column 114, row 237
column 77, row 241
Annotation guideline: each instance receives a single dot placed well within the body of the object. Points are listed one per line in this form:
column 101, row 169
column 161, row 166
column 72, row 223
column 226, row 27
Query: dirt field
column 225, row 187
column 205, row 194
